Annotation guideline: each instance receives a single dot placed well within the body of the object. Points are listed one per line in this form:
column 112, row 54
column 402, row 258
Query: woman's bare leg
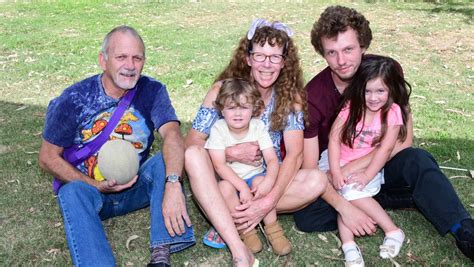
column 305, row 188
column 206, row 191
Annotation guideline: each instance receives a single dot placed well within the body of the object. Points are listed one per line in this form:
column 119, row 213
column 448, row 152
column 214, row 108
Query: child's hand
column 359, row 178
column 262, row 189
column 338, row 181
column 245, row 195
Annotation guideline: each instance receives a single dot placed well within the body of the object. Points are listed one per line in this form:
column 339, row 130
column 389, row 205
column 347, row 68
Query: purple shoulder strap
column 75, row 154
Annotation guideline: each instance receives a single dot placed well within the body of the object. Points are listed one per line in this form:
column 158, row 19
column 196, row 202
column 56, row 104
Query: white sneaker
column 355, row 257
column 391, row 246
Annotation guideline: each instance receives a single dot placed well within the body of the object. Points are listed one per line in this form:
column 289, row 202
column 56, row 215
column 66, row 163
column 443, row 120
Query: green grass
column 45, row 47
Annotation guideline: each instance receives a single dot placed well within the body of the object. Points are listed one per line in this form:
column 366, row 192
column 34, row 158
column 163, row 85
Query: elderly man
column 77, row 117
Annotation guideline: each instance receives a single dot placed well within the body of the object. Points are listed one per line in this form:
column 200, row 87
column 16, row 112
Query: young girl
column 374, row 116
column 240, row 105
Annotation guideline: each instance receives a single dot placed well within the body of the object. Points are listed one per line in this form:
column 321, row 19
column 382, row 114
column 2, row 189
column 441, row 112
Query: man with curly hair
column 412, row 177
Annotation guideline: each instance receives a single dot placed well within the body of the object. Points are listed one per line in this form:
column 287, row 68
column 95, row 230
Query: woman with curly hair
column 266, row 57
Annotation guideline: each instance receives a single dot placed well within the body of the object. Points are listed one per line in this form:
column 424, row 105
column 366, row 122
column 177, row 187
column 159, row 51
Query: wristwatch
column 173, row 178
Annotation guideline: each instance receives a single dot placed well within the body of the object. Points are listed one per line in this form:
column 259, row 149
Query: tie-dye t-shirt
column 82, row 111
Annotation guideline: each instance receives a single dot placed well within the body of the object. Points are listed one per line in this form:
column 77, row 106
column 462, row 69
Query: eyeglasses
column 259, row 57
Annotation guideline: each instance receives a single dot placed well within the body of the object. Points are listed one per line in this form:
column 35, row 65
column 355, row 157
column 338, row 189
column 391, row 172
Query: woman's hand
column 248, row 153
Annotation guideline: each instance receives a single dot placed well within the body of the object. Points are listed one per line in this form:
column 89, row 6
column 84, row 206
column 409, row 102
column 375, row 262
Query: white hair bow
column 259, row 23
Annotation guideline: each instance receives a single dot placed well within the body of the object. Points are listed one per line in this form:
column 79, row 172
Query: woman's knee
column 317, row 181
column 198, row 165
column 193, row 153
column 312, row 184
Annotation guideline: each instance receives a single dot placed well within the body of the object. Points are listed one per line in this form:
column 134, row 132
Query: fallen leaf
column 336, row 251
column 53, row 251
column 457, row 112
column 458, row 176
column 339, row 243
column 21, row 108
column 188, row 83
column 418, row 96
column 458, row 156
column 297, row 231
column 57, row 224
column 396, row 264
column 322, row 237
column 130, row 239
column 471, row 172
column 129, row 263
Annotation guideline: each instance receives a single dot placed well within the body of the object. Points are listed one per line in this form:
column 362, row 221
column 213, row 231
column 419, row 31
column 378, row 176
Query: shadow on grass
column 451, row 7
column 464, row 8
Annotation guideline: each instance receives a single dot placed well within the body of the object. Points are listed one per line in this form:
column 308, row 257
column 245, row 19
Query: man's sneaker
column 465, row 238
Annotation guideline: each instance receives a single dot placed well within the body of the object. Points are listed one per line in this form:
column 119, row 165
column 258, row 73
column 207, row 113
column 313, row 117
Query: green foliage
column 46, row 47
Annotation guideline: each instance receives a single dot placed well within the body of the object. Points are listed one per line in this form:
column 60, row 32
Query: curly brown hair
column 337, row 19
column 289, row 87
column 232, row 89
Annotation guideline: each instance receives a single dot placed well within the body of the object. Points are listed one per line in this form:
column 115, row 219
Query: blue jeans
column 84, row 207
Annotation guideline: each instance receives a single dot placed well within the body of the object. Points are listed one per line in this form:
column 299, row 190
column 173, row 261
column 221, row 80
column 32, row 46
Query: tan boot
column 252, row 241
column 280, row 244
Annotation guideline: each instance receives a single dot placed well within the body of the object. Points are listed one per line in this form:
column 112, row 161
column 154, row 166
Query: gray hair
column 122, row 29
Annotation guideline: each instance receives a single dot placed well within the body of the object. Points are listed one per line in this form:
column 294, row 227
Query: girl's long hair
column 399, row 91
column 289, row 87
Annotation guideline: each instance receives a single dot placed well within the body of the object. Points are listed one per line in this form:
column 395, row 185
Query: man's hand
column 111, row 186
column 248, row 215
column 247, row 153
column 174, row 209
column 357, row 221
column 262, row 189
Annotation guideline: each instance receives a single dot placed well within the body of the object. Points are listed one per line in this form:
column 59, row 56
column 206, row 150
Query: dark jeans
column 412, row 179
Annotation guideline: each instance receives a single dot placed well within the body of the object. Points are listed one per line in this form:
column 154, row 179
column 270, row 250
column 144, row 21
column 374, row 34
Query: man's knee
column 78, row 193
column 75, row 188
column 417, row 156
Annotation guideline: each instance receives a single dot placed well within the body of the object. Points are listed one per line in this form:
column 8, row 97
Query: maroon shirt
column 323, row 100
